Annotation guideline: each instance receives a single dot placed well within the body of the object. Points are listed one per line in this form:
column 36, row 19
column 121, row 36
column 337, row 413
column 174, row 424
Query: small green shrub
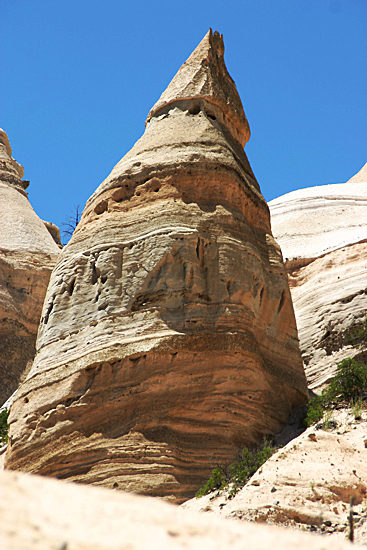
column 357, row 407
column 357, row 335
column 4, row 426
column 239, row 471
column 348, row 385
column 247, row 465
column 217, row 481
column 315, row 411
column 349, row 381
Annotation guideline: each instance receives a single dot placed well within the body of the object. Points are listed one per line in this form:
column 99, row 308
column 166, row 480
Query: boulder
column 27, row 255
column 322, row 233
column 168, row 337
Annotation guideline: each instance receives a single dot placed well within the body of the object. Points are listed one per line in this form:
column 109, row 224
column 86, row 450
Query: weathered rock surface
column 47, row 514
column 27, row 255
column 308, row 483
column 168, row 336
column 322, row 233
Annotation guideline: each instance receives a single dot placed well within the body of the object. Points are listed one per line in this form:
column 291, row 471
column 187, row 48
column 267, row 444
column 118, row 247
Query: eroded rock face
column 322, row 233
column 168, row 336
column 27, row 255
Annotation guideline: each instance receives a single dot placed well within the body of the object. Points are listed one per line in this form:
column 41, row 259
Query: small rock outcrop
column 27, row 255
column 308, row 483
column 322, row 233
column 168, row 337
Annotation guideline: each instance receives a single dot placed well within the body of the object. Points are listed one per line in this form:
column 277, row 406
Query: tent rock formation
column 168, row 337
column 27, row 255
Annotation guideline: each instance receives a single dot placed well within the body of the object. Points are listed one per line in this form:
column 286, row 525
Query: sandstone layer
column 27, row 255
column 47, row 514
column 308, row 483
column 168, row 336
column 322, row 233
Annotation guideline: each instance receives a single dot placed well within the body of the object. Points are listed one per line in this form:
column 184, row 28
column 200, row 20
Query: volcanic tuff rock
column 361, row 176
column 27, row 255
column 168, row 336
column 308, row 483
column 47, row 514
column 322, row 233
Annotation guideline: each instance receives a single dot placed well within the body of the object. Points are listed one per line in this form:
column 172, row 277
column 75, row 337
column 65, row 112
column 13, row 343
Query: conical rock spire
column 199, row 120
column 20, row 227
column 204, row 76
column 10, row 170
column 167, row 335
column 27, row 255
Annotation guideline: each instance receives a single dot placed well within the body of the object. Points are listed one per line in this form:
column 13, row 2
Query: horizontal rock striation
column 322, row 233
column 168, row 337
column 27, row 255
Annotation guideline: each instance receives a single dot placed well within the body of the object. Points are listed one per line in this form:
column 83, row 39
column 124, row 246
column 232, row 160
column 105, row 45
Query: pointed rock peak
column 10, row 170
column 6, row 155
column 204, row 81
column 5, row 149
column 360, row 177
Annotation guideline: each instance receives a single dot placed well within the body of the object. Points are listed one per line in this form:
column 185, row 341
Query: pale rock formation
column 306, row 484
column 311, row 222
column 168, row 336
column 360, row 176
column 27, row 256
column 47, row 514
column 322, row 233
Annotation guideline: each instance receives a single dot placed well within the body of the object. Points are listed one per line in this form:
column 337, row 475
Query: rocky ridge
column 168, row 337
column 27, row 255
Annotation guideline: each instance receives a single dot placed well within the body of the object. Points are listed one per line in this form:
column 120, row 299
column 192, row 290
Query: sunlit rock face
column 322, row 233
column 27, row 255
column 168, row 337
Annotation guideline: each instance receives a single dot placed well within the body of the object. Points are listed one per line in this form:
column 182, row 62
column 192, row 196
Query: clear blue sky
column 78, row 78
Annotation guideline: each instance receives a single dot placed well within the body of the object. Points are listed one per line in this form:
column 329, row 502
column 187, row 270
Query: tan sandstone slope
column 168, row 337
column 308, row 483
column 323, row 235
column 47, row 514
column 27, row 255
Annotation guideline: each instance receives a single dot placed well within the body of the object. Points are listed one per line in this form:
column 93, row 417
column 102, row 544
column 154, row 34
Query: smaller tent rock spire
column 11, row 171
